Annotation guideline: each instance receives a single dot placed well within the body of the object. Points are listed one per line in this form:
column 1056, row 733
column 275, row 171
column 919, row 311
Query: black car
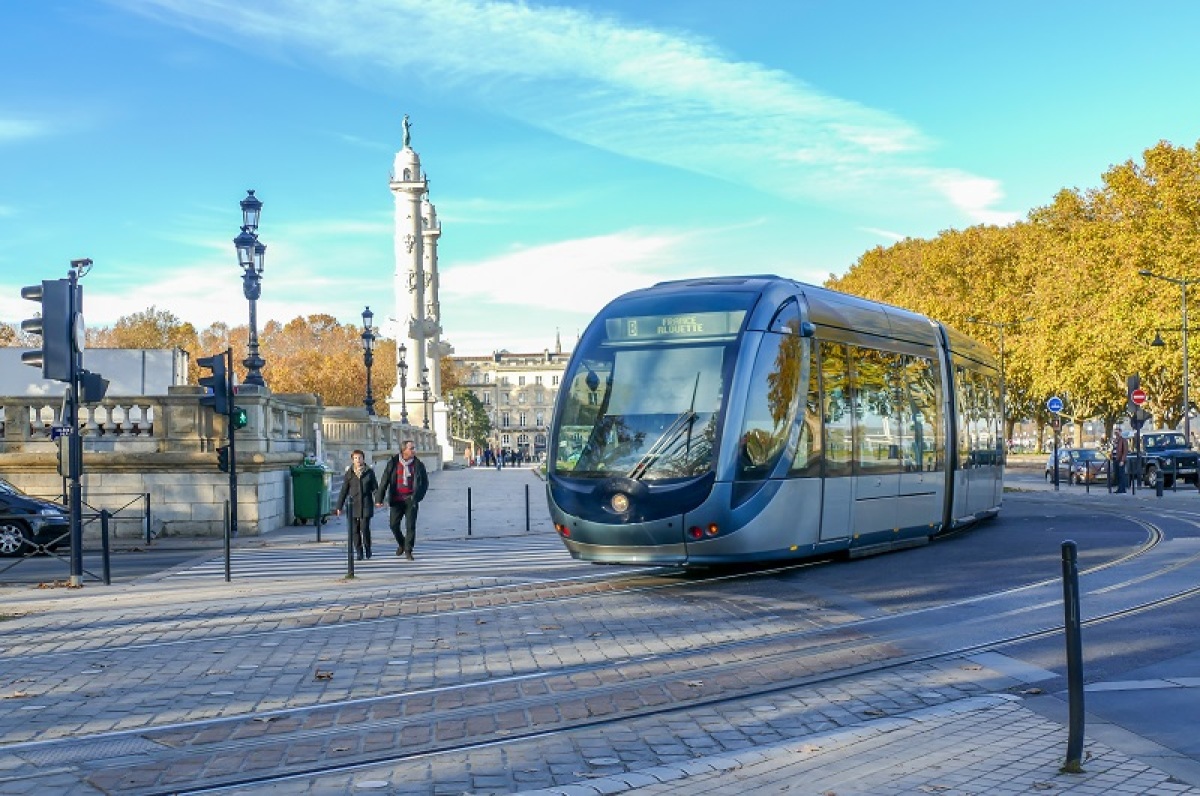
column 1169, row 456
column 1078, row 465
column 26, row 522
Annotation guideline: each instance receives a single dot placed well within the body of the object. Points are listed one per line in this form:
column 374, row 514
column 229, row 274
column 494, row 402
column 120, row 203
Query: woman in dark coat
column 359, row 486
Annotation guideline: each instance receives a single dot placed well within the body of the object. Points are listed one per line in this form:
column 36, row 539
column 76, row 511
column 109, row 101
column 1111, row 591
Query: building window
column 541, row 419
column 505, row 439
column 521, row 380
column 522, row 418
column 554, row 381
column 487, row 378
column 537, row 379
column 506, row 398
column 504, row 420
column 521, row 398
column 487, row 398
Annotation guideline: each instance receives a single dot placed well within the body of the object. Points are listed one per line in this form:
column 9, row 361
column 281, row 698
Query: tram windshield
column 644, row 393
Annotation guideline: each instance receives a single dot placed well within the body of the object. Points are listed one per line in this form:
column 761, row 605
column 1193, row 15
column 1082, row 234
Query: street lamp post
column 251, row 253
column 401, row 353
column 425, row 398
column 368, row 339
column 1183, row 286
column 1001, row 325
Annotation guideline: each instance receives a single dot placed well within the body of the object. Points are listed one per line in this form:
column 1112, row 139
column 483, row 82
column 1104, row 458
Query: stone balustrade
column 166, row 446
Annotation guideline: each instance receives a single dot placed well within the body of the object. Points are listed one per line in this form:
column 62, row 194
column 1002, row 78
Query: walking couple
column 403, row 487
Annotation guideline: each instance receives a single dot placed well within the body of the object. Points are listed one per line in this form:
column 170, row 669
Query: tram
column 738, row 419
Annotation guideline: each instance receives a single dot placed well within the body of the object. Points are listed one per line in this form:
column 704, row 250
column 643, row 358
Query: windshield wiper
column 684, row 422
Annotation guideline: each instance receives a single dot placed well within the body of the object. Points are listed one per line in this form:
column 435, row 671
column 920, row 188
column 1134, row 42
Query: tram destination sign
column 677, row 326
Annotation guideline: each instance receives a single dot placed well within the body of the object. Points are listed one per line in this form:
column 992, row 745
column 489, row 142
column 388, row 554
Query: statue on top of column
column 407, row 137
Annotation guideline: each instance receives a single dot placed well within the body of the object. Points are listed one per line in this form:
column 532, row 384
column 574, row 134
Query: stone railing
column 165, row 446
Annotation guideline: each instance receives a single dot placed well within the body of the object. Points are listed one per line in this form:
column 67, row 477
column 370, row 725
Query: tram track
column 563, row 699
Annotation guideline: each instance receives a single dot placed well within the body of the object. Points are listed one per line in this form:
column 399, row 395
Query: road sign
column 1138, row 396
column 1055, row 404
column 60, row 431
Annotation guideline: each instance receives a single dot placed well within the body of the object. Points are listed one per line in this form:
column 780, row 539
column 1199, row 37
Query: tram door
column 837, row 491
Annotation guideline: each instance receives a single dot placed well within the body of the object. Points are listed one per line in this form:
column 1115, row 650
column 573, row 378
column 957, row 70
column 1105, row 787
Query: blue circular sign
column 1055, row 404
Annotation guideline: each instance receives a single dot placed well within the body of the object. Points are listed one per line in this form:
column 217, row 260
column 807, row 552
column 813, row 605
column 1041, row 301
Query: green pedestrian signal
column 239, row 417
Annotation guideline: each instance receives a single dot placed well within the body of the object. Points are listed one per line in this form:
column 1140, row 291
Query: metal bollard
column 1070, row 570
column 527, row 508
column 105, row 514
column 146, row 513
column 228, row 533
column 468, row 511
column 349, row 545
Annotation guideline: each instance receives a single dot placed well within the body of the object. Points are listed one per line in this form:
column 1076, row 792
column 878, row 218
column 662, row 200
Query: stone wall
column 165, row 447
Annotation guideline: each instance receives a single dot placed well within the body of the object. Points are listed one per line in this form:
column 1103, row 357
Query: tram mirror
column 807, row 329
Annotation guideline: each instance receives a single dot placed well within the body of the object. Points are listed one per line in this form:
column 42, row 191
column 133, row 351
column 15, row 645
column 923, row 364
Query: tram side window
column 965, row 398
column 921, row 415
column 877, row 434
column 837, row 409
column 807, row 462
column 770, row 405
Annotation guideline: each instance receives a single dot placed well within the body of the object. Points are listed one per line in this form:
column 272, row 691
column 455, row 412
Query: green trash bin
column 310, row 492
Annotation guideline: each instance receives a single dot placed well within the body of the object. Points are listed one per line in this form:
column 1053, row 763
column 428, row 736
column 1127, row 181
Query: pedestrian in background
column 403, row 487
column 1120, row 452
column 359, row 486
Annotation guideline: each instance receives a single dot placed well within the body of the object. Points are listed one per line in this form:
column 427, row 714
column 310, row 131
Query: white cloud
column 18, row 129
column 595, row 270
column 612, row 85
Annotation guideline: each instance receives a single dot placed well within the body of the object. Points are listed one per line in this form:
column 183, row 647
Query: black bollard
column 527, row 508
column 1070, row 570
column 468, row 511
column 349, row 545
column 105, row 514
column 228, row 517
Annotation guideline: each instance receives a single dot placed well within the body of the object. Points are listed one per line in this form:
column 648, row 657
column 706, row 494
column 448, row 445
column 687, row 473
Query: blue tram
column 737, row 419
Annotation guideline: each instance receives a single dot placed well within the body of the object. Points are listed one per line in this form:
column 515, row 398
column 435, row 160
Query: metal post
column 349, row 545
column 527, row 508
column 233, row 499
column 1056, row 454
column 227, row 535
column 1070, row 572
column 146, row 513
column 75, row 450
column 1187, row 428
column 104, row 515
column 468, row 511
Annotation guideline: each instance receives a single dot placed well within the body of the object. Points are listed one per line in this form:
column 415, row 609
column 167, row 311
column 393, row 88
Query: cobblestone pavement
column 157, row 686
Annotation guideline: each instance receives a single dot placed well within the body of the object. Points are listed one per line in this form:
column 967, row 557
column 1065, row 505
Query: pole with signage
column 1055, row 406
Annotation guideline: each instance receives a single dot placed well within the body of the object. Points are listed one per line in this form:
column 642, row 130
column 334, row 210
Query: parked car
column 27, row 521
column 1079, row 466
column 1167, row 455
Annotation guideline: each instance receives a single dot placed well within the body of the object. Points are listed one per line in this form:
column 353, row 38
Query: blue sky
column 575, row 150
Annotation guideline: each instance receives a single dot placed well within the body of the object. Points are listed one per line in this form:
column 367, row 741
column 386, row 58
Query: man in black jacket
column 403, row 487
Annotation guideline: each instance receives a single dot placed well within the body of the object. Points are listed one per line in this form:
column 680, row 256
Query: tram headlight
column 619, row 503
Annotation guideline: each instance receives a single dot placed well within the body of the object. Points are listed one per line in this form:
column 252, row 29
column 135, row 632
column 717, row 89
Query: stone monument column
column 408, row 185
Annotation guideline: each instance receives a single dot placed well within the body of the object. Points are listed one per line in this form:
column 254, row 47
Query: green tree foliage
column 468, row 418
column 1073, row 267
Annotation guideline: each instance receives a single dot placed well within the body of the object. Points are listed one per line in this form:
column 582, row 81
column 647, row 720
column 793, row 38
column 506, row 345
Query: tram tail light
column 698, row 532
column 562, row 529
column 713, row 529
column 695, row 532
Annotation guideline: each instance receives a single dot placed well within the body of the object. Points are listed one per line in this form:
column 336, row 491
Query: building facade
column 518, row 391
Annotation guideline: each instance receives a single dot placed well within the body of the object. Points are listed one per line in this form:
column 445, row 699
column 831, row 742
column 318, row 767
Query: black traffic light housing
column 56, row 325
column 218, row 382
column 239, row 418
column 223, row 458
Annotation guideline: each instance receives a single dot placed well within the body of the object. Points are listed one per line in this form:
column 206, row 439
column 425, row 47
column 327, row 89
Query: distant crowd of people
column 501, row 458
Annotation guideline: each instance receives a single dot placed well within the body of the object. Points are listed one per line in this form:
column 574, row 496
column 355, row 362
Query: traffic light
column 218, row 382
column 223, row 458
column 56, row 326
column 239, row 417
